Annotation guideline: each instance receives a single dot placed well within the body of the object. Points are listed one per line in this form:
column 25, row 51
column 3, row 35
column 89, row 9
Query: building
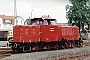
column 6, row 22
column 45, row 17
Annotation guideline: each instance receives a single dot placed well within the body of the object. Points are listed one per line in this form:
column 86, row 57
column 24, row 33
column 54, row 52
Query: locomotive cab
column 40, row 21
column 51, row 21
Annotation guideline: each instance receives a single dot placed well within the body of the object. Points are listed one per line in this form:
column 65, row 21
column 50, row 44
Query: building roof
column 45, row 16
column 4, row 17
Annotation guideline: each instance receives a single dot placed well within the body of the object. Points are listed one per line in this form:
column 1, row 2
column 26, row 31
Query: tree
column 78, row 13
column 28, row 21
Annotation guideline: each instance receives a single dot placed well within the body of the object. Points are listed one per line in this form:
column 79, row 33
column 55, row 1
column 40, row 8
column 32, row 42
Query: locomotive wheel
column 63, row 46
column 56, row 46
column 66, row 45
column 23, row 48
column 77, row 43
column 30, row 49
column 36, row 48
column 13, row 49
column 48, row 47
column 71, row 45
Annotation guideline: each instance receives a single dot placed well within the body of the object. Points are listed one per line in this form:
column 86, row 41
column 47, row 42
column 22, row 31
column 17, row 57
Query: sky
column 54, row 8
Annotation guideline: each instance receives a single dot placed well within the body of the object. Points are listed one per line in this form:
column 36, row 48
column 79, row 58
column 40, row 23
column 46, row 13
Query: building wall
column 5, row 26
column 19, row 21
column 1, row 23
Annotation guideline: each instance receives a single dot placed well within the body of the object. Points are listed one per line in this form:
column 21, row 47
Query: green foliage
column 28, row 21
column 78, row 13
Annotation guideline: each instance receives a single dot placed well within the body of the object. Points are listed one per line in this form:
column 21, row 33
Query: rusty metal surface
column 5, row 52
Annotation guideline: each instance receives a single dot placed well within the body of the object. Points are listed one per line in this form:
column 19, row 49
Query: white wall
column 1, row 23
column 7, row 26
column 20, row 21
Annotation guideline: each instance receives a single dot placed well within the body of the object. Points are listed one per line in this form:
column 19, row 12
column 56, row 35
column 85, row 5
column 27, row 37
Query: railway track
column 5, row 52
column 86, row 43
column 72, row 57
column 66, row 54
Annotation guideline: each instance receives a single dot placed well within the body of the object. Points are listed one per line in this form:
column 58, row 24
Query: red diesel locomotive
column 44, row 34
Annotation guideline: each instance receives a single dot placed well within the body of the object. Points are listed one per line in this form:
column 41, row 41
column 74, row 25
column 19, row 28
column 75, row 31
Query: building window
column 5, row 26
column 8, row 21
column 16, row 21
column 21, row 21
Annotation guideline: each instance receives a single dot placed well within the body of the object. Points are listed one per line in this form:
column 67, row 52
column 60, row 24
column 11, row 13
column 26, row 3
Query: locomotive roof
column 50, row 19
column 68, row 26
column 36, row 18
column 41, row 19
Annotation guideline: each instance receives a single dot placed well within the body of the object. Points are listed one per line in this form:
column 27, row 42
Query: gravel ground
column 48, row 54
column 88, row 58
